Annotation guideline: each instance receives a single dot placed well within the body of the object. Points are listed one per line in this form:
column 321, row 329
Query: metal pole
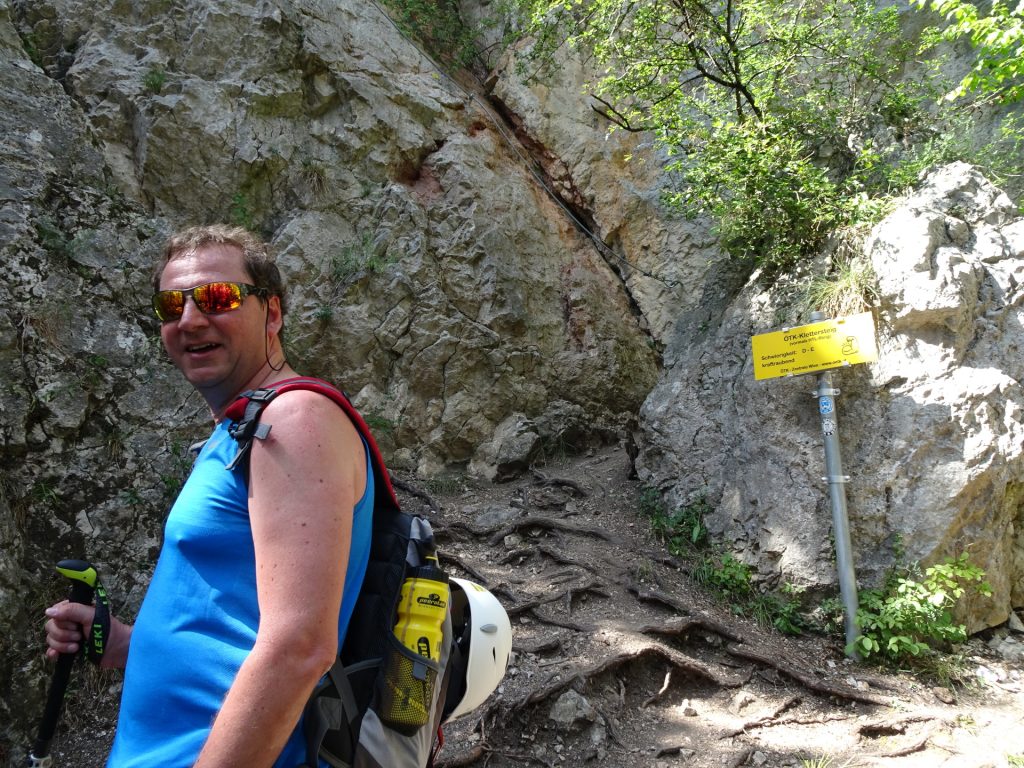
column 826, row 395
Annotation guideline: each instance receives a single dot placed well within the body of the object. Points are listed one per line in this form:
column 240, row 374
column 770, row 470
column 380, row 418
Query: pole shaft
column 840, row 520
column 81, row 592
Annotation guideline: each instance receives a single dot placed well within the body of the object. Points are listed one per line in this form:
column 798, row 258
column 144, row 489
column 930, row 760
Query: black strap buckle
column 250, row 428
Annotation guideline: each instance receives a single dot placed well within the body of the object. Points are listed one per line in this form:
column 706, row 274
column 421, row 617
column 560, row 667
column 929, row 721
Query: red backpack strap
column 247, row 408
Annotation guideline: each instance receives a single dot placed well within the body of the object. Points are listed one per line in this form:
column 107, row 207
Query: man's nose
column 191, row 315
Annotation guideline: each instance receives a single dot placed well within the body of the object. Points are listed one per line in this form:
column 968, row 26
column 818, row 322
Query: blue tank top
column 199, row 617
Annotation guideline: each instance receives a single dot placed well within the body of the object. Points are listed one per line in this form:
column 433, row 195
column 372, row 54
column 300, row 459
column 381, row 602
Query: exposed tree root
column 519, row 556
column 478, row 577
column 566, row 594
column 648, row 595
column 740, row 649
column 670, row 561
column 674, row 658
column 522, row 554
column 547, row 480
column 563, row 559
column 740, row 758
column 681, row 627
column 665, row 685
column 808, row 681
column 549, row 645
column 548, row 523
column 419, row 493
column 813, row 720
column 563, row 623
column 676, row 749
column 611, row 727
column 891, row 727
column 910, row 749
column 767, row 720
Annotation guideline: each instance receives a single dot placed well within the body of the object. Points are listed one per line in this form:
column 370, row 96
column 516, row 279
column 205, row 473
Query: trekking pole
column 83, row 583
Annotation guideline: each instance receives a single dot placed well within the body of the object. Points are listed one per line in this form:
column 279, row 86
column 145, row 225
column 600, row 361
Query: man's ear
column 275, row 320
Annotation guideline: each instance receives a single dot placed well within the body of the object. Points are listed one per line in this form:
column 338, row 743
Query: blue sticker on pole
column 826, row 405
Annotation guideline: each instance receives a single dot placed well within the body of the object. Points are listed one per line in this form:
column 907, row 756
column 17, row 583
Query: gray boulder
column 932, row 434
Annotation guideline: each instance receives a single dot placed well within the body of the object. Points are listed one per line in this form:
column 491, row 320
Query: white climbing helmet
column 488, row 633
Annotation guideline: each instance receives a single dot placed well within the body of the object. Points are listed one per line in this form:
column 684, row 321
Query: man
column 261, row 565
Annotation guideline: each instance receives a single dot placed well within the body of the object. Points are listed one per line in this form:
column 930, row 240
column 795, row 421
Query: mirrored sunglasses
column 211, row 299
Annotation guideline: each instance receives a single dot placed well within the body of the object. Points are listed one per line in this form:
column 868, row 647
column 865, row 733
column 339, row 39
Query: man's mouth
column 199, row 348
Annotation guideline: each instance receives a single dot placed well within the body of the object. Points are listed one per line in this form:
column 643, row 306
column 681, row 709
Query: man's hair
column 256, row 255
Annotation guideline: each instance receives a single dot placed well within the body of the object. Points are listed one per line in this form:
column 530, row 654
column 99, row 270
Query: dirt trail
column 620, row 661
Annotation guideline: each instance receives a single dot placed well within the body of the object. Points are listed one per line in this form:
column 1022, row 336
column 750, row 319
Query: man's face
column 221, row 353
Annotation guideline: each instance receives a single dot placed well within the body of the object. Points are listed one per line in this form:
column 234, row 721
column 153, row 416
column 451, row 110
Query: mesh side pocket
column 405, row 690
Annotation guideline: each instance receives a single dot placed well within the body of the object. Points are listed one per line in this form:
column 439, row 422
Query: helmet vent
column 490, row 629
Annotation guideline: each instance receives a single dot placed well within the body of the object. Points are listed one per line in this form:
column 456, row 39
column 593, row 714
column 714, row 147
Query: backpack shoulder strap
column 247, row 408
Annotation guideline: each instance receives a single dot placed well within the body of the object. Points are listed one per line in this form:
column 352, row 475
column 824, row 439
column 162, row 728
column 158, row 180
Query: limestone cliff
column 432, row 275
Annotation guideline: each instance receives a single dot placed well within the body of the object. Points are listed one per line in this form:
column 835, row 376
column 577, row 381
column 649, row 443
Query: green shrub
column 782, row 610
column 907, row 616
column 772, row 205
column 768, row 122
column 998, row 39
column 728, row 576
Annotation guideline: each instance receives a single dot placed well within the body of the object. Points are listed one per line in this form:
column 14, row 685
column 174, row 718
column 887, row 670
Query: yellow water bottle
column 412, row 669
column 421, row 610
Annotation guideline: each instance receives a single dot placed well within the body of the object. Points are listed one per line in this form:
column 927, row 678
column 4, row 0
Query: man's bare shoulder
column 307, row 412
column 311, row 438
column 310, row 435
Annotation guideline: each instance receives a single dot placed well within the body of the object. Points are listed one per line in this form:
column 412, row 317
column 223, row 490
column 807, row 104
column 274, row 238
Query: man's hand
column 65, row 633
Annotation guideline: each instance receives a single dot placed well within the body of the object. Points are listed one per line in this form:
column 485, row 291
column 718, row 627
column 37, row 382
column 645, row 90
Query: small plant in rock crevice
column 681, row 529
column 355, row 258
column 314, row 178
column 851, row 287
column 154, row 80
column 241, row 212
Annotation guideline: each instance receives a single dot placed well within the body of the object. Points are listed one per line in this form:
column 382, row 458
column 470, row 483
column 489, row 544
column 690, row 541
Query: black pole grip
column 83, row 583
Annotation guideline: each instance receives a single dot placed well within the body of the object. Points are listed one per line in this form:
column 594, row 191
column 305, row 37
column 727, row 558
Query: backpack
column 343, row 721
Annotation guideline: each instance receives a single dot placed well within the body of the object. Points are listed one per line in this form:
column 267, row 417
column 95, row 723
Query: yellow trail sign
column 815, row 347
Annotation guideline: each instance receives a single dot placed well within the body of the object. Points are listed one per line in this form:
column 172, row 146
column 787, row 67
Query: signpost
column 820, row 347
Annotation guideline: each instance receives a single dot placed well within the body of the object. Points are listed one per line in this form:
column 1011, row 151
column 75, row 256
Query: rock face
column 614, row 181
column 932, row 434
column 431, row 275
column 485, row 271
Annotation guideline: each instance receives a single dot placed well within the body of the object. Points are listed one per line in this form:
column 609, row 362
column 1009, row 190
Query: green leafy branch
column 908, row 616
column 766, row 108
column 998, row 38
